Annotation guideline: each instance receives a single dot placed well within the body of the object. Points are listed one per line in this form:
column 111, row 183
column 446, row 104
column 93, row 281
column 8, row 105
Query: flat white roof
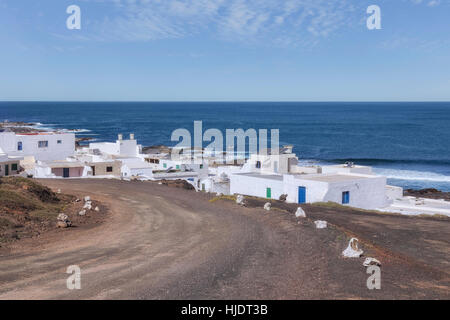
column 344, row 166
column 262, row 176
column 333, row 177
column 64, row 164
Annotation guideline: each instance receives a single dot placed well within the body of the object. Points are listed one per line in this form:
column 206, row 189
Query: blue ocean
column 408, row 142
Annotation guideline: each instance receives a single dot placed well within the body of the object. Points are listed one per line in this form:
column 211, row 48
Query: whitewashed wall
column 315, row 190
column 255, row 186
column 128, row 148
column 364, row 193
column 394, row 193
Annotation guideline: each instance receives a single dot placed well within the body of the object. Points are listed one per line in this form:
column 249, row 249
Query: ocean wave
column 392, row 173
column 379, row 161
column 412, row 175
column 76, row 130
column 90, row 134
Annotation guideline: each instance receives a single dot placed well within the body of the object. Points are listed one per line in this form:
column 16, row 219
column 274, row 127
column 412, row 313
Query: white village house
column 273, row 175
column 27, row 150
column 43, row 146
column 361, row 191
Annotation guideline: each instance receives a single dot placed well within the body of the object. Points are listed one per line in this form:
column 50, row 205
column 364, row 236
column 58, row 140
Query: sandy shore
column 169, row 243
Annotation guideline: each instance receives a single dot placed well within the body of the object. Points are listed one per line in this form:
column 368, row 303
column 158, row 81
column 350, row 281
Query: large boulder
column 283, row 197
column 63, row 221
column 179, row 183
column 62, row 224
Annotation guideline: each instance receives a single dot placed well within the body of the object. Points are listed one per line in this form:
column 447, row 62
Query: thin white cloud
column 281, row 22
column 429, row 3
column 267, row 21
column 434, row 3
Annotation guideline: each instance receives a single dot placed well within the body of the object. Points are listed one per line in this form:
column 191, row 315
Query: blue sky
column 265, row 50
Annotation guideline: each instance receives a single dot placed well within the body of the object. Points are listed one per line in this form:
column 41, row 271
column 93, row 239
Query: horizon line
column 232, row 101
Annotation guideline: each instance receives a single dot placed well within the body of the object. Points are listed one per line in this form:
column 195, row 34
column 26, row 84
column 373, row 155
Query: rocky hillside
column 27, row 208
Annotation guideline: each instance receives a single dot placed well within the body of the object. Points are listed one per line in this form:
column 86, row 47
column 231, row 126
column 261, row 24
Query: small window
column 165, row 165
column 109, row 169
column 59, row 142
column 19, row 146
column 178, row 167
column 258, row 164
column 14, row 167
column 43, row 144
column 201, row 166
column 345, row 197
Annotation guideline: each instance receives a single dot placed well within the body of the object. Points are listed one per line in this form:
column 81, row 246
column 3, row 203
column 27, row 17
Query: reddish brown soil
column 160, row 242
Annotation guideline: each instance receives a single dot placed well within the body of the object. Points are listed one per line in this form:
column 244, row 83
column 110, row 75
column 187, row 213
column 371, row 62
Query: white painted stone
column 240, row 199
column 371, row 262
column 352, row 251
column 300, row 213
column 88, row 206
column 62, row 217
column 320, row 224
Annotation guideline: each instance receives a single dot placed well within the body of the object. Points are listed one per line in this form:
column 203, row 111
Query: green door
column 269, row 193
column 6, row 169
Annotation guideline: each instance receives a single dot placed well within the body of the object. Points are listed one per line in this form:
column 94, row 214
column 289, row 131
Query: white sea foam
column 50, row 127
column 412, row 175
column 76, row 130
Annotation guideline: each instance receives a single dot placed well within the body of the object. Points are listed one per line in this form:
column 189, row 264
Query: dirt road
column 166, row 243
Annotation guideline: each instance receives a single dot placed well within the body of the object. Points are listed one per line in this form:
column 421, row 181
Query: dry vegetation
column 27, row 208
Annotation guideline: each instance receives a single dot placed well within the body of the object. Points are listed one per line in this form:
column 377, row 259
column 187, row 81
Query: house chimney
column 120, row 137
column 288, row 149
column 131, row 136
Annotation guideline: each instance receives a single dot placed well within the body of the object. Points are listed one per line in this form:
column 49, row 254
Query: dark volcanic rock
column 178, row 184
column 428, row 193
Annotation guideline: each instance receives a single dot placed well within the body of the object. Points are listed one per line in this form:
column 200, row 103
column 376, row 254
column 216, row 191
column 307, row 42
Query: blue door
column 301, row 195
column 346, row 197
